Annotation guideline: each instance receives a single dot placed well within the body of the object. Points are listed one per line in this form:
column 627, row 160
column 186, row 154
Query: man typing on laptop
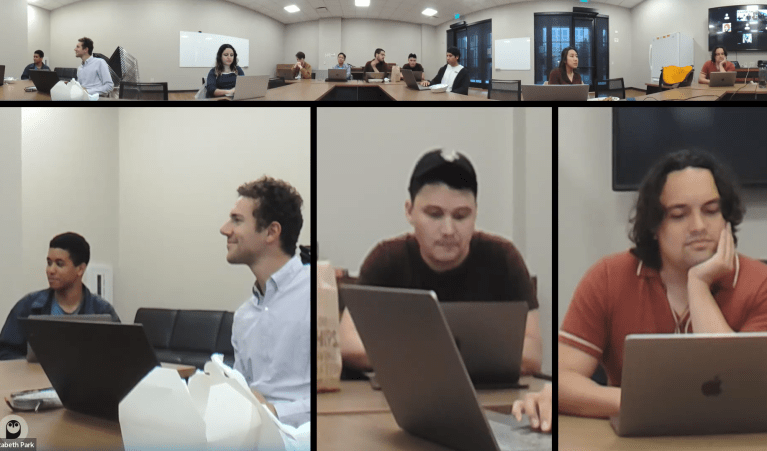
column 445, row 254
column 271, row 332
column 68, row 257
column 683, row 275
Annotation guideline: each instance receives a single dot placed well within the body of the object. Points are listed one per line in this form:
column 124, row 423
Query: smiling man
column 271, row 330
column 68, row 257
column 447, row 255
column 682, row 276
column 93, row 74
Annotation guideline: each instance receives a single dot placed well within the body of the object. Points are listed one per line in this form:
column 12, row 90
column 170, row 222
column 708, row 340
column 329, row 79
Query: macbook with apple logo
column 693, row 384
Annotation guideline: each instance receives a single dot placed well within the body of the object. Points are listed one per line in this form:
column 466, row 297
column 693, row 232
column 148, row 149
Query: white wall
column 10, row 210
column 362, row 193
column 653, row 18
column 593, row 220
column 149, row 30
column 179, row 173
column 301, row 37
column 70, row 179
column 517, row 21
column 39, row 32
column 13, row 35
column 329, row 43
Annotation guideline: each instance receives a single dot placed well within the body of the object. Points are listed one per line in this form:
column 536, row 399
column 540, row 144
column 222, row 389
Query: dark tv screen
column 734, row 135
column 737, row 28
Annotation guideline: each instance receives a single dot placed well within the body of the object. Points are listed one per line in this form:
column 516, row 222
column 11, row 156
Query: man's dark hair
column 563, row 61
column 40, row 52
column 300, row 55
column 378, row 51
column 649, row 213
column 440, row 166
column 455, row 52
column 342, row 53
column 78, row 248
column 713, row 53
column 412, row 55
column 277, row 201
column 87, row 43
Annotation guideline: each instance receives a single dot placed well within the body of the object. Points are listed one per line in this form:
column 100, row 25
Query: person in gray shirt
column 93, row 74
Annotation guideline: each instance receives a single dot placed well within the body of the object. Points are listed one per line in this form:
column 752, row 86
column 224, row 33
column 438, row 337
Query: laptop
column 555, row 92
column 91, row 365
column 2, row 75
column 422, row 375
column 490, row 337
column 375, row 76
column 44, row 80
column 251, row 87
column 105, row 318
column 693, row 384
column 336, row 75
column 411, row 81
column 721, row 79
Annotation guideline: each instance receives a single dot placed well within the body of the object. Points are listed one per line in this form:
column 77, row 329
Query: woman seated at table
column 718, row 63
column 223, row 78
column 566, row 73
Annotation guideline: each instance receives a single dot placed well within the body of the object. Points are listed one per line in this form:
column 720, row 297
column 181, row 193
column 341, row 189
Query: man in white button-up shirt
column 93, row 74
column 271, row 333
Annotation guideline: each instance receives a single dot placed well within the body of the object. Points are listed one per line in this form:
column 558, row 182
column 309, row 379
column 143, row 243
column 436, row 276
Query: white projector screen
column 199, row 49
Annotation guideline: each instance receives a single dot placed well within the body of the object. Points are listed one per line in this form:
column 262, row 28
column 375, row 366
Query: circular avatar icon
column 13, row 427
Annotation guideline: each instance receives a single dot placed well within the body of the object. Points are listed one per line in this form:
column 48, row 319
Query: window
column 588, row 33
column 475, row 42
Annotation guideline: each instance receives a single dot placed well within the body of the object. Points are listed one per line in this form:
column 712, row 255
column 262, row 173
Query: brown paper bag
column 395, row 73
column 328, row 349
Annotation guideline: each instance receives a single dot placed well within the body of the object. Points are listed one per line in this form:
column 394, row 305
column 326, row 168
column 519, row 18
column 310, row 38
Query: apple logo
column 712, row 387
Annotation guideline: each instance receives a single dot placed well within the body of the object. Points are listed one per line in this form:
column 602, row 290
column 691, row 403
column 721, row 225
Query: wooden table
column 15, row 91
column 698, row 92
column 578, row 434
column 58, row 428
column 358, row 417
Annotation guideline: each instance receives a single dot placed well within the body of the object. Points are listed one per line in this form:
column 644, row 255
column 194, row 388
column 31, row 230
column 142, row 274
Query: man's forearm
column 532, row 355
column 705, row 314
column 579, row 395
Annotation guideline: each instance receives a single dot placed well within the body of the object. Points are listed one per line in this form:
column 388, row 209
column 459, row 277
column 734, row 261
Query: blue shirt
column 224, row 81
column 94, row 76
column 271, row 337
column 25, row 75
column 348, row 68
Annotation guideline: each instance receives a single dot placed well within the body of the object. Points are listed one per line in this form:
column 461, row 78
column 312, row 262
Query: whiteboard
column 199, row 49
column 512, row 54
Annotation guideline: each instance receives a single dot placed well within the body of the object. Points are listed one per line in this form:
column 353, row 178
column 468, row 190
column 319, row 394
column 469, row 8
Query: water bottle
column 762, row 74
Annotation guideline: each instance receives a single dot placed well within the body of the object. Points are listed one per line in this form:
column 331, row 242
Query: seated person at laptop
column 452, row 74
column 377, row 64
column 271, row 332
column 683, row 275
column 567, row 72
column 537, row 406
column 302, row 66
column 412, row 64
column 222, row 79
column 718, row 63
column 342, row 65
column 93, row 74
column 37, row 65
column 445, row 254
column 68, row 257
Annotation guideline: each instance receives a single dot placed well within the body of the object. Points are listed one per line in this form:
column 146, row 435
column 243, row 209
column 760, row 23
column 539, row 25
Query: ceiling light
column 361, row 2
column 429, row 12
column 292, row 9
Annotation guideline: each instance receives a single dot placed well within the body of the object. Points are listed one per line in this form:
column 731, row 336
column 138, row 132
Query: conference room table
column 15, row 91
column 578, row 434
column 60, row 428
column 358, row 417
column 698, row 92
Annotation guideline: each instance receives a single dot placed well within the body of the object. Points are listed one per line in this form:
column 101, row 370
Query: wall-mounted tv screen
column 738, row 28
column 734, row 135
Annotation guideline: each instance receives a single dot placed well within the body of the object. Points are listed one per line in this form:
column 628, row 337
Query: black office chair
column 144, row 91
column 612, row 87
column 509, row 90
column 736, row 64
column 66, row 73
column 314, row 75
column 686, row 82
column 276, row 83
column 306, row 254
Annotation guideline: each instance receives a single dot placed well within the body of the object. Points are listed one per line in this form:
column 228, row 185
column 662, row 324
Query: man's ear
column 273, row 232
column 81, row 269
column 409, row 211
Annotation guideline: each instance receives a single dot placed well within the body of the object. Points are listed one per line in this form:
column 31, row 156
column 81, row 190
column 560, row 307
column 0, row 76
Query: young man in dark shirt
column 377, row 64
column 445, row 254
